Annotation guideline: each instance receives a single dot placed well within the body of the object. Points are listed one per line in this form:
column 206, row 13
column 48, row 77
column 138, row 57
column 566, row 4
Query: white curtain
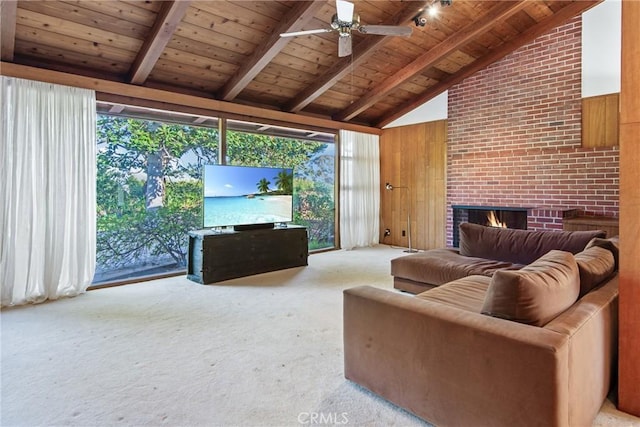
column 359, row 189
column 47, row 191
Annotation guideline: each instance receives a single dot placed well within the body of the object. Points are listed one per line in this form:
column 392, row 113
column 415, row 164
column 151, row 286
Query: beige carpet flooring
column 259, row 351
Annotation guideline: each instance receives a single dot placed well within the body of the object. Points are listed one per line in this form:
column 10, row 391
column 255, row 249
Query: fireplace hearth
column 493, row 216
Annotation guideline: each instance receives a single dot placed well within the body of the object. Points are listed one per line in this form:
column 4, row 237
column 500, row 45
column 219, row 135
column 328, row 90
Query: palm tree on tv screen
column 263, row 185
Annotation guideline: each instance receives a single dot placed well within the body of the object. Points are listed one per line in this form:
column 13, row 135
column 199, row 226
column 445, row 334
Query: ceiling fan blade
column 306, row 32
column 345, row 10
column 386, row 30
column 344, row 46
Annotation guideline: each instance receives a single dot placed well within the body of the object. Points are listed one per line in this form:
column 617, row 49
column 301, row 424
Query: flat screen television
column 247, row 197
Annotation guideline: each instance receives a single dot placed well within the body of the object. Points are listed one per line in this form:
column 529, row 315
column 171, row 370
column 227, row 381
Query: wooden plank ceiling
column 232, row 50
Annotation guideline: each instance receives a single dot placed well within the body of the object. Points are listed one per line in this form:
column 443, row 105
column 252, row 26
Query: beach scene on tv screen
column 238, row 195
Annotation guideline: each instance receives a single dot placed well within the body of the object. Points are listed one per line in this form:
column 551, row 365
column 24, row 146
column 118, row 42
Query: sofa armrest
column 454, row 367
column 592, row 324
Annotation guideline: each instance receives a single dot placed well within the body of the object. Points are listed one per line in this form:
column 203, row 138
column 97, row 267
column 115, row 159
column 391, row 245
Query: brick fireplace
column 514, row 138
column 494, row 216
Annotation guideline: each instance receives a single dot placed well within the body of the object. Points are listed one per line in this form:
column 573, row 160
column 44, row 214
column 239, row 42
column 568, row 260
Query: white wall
column 435, row 109
column 601, row 49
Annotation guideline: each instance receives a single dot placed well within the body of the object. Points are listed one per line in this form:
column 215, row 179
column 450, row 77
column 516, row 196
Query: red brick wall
column 515, row 137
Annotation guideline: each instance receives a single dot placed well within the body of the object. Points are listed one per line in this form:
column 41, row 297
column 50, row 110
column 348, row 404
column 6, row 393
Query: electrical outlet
column 387, row 232
column 403, row 233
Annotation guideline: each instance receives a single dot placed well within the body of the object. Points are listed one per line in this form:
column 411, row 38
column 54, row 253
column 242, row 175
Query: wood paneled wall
column 415, row 157
column 600, row 120
column 629, row 305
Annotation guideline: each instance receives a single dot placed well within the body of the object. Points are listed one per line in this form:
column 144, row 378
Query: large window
column 150, row 189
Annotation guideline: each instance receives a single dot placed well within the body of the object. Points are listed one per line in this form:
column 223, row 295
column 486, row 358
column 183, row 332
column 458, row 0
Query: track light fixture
column 430, row 11
column 420, row 20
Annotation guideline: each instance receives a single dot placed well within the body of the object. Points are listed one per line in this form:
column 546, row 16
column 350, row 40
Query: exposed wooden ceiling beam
column 8, row 12
column 361, row 52
column 300, row 14
column 553, row 21
column 170, row 15
column 206, row 106
column 499, row 12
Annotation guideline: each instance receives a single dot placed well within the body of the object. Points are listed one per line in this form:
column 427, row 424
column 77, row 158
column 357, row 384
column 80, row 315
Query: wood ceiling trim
column 299, row 15
column 145, row 93
column 165, row 25
column 362, row 51
column 8, row 14
column 541, row 28
column 499, row 12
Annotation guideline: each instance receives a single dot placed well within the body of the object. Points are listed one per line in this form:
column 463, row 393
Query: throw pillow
column 537, row 293
column 595, row 264
column 519, row 246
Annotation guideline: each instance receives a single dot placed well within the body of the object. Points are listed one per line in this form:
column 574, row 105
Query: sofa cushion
column 438, row 266
column 537, row 293
column 595, row 265
column 519, row 246
column 466, row 293
column 611, row 244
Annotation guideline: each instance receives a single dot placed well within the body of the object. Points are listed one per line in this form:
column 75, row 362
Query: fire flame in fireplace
column 493, row 221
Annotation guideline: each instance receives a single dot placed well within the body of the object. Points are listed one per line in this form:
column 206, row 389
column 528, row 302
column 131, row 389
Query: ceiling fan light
column 345, row 21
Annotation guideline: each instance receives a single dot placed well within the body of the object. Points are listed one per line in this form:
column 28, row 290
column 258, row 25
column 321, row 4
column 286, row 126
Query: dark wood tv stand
column 215, row 256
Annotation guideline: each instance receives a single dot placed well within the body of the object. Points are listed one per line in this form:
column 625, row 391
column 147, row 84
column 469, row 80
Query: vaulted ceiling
column 232, row 51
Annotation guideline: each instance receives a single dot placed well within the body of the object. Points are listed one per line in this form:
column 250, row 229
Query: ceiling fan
column 345, row 21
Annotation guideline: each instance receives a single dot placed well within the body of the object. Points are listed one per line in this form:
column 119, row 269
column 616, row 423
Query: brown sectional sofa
column 483, row 250
column 532, row 344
